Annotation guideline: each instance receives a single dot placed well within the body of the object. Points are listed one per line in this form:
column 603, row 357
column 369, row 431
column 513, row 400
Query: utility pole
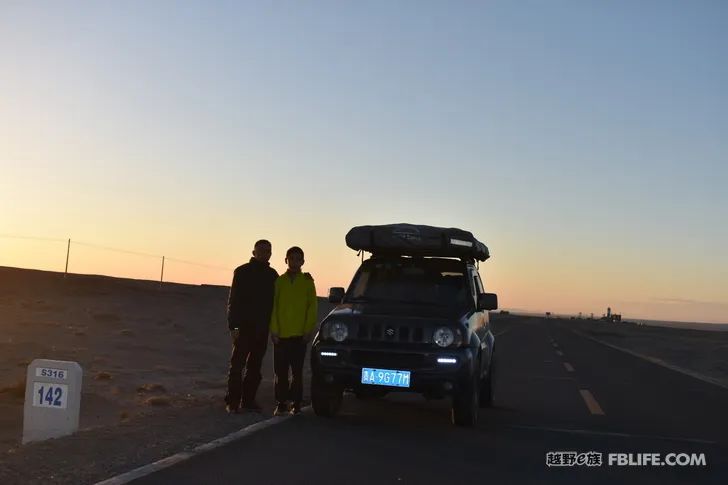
column 68, row 253
column 161, row 278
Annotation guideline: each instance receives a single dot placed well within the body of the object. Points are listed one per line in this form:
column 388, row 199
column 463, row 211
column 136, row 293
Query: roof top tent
column 416, row 240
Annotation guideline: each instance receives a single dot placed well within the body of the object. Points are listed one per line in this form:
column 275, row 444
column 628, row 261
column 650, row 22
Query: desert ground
column 155, row 359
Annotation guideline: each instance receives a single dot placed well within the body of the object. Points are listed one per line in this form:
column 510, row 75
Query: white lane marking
column 657, row 361
column 501, row 333
column 591, row 403
column 556, row 346
column 569, row 367
column 559, row 353
column 619, row 435
column 186, row 455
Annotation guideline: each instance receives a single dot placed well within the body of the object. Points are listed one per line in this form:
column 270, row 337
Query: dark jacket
column 251, row 297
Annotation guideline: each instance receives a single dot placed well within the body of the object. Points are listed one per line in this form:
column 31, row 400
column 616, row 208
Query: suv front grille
column 390, row 332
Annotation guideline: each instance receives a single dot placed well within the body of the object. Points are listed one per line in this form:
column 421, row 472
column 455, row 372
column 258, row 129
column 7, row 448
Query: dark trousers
column 289, row 353
column 248, row 353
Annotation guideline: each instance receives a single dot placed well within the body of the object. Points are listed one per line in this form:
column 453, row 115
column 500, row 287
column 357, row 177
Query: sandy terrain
column 701, row 351
column 154, row 360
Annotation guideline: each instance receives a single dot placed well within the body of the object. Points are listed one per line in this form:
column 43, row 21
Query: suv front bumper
column 342, row 366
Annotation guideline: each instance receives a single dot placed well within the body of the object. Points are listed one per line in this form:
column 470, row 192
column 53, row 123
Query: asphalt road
column 603, row 401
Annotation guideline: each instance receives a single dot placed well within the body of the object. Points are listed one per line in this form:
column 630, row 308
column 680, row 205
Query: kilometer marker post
column 52, row 399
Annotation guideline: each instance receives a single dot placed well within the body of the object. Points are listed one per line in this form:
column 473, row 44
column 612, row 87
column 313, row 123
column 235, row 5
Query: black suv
column 409, row 322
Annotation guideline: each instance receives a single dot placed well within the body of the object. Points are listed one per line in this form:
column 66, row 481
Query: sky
column 586, row 143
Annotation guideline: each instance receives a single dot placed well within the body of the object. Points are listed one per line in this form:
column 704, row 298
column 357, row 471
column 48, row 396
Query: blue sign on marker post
column 52, row 399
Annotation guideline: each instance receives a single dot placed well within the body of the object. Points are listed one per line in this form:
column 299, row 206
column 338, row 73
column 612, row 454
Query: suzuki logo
column 390, row 332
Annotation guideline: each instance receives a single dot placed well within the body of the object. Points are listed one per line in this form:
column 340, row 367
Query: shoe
column 232, row 409
column 252, row 406
column 281, row 409
column 295, row 409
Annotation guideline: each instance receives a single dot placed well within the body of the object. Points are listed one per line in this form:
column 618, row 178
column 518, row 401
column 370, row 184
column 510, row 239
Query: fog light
column 328, row 354
column 447, row 360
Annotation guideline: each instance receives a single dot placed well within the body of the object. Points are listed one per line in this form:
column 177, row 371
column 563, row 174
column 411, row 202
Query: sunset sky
column 586, row 143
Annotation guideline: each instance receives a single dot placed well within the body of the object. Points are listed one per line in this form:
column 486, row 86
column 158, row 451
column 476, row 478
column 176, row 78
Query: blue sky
column 585, row 142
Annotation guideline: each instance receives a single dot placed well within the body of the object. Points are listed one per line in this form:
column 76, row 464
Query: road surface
column 555, row 391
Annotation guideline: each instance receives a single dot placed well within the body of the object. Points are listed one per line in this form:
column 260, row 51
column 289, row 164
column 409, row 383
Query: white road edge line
column 186, row 455
column 591, row 403
column 619, row 435
column 656, row 361
column 501, row 333
column 569, row 367
column 559, row 353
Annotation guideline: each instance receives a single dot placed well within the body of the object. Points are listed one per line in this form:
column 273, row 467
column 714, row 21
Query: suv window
column 478, row 284
column 431, row 281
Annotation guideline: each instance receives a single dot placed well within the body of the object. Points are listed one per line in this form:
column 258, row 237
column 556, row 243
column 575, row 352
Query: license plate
column 385, row 377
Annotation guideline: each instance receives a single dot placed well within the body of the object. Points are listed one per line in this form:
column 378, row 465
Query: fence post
column 68, row 253
column 161, row 278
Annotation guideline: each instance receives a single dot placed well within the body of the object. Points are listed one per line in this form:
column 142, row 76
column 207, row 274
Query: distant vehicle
column 414, row 319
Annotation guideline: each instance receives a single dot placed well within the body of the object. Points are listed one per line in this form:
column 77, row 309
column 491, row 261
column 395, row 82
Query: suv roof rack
column 416, row 240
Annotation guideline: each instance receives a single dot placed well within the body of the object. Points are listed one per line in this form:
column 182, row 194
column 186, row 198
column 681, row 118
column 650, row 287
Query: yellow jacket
column 295, row 307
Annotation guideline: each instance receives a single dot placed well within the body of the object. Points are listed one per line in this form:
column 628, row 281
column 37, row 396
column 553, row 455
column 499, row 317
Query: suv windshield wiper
column 393, row 300
column 362, row 300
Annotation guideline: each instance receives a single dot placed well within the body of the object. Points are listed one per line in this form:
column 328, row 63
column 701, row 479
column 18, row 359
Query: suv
column 410, row 321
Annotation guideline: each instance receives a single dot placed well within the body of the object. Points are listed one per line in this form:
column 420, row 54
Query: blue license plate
column 385, row 377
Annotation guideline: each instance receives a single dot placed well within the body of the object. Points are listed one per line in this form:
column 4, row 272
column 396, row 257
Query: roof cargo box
column 416, row 240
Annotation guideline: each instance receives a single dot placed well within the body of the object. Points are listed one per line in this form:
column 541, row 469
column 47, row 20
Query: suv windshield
column 428, row 281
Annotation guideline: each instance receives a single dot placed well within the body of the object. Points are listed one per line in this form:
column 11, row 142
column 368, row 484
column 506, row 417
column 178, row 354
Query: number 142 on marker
column 47, row 395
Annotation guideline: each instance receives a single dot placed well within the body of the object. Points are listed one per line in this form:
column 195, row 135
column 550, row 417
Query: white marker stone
column 52, row 399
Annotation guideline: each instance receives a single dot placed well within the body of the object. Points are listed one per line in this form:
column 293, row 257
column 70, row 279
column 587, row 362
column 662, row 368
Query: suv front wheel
column 325, row 399
column 486, row 385
column 466, row 404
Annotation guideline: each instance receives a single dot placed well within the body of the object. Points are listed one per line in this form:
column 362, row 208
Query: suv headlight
column 443, row 336
column 338, row 331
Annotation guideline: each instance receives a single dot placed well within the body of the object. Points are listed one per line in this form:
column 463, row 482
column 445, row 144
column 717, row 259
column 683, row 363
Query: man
column 249, row 312
column 293, row 321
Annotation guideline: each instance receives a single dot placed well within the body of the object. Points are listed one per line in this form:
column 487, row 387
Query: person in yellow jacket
column 292, row 323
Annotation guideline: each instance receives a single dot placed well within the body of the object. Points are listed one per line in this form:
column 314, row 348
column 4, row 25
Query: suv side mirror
column 336, row 295
column 487, row 301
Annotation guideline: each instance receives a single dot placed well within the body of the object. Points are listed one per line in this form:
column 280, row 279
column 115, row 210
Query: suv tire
column 486, row 386
column 325, row 399
column 466, row 404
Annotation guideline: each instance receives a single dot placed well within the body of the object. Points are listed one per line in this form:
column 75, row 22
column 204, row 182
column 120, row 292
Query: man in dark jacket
column 249, row 311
